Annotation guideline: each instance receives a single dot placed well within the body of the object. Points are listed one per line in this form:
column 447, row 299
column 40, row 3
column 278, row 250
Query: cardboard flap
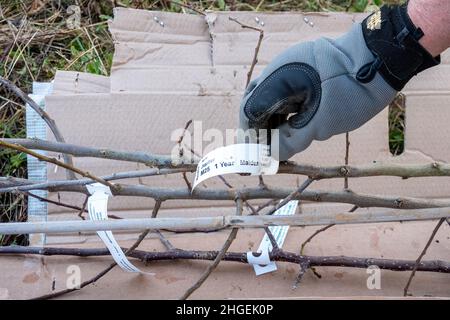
column 127, row 19
column 73, row 82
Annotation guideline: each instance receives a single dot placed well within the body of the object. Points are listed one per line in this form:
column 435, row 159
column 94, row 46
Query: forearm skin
column 433, row 17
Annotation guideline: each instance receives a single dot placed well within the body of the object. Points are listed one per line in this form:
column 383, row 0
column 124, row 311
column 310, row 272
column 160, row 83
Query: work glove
column 318, row 89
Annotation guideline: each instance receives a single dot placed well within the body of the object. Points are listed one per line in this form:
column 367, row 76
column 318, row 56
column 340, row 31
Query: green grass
column 89, row 49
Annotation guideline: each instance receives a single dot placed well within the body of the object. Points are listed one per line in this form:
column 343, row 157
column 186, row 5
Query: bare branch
column 422, row 254
column 208, row 223
column 151, row 160
column 283, row 256
column 20, row 184
column 434, row 169
column 346, row 196
column 56, row 162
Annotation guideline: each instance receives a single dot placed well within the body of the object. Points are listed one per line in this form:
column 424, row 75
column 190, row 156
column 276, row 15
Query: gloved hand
column 318, row 89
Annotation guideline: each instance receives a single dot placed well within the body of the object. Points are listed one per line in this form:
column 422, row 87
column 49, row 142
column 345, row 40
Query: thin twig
column 304, row 266
column 163, row 239
column 261, row 182
column 293, row 195
column 106, row 270
column 273, row 242
column 82, row 285
column 26, row 185
column 218, row 258
column 56, row 162
column 169, row 246
column 186, row 126
column 95, row 278
column 156, row 208
column 58, row 203
column 83, row 208
column 313, row 235
column 424, row 251
column 181, row 152
column 258, row 46
column 271, row 202
column 186, row 180
column 80, row 210
column 317, row 274
column 320, row 231
column 347, row 151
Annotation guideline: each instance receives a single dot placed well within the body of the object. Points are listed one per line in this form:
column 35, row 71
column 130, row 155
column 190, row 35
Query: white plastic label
column 262, row 264
column 98, row 210
column 253, row 159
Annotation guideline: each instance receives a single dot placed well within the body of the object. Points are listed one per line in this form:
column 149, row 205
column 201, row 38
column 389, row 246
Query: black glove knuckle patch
column 294, row 88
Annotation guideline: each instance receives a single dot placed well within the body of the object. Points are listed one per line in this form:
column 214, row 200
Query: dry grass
column 35, row 41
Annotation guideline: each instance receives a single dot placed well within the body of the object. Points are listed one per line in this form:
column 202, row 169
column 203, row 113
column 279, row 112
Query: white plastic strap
column 37, row 170
column 262, row 264
column 253, row 159
column 98, row 210
column 259, row 261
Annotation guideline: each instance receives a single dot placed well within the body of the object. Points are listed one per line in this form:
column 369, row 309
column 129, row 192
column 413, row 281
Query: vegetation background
column 35, row 41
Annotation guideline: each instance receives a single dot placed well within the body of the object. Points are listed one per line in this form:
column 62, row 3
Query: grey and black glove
column 318, row 89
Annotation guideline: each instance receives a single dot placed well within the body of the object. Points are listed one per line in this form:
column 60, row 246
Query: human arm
column 318, row 89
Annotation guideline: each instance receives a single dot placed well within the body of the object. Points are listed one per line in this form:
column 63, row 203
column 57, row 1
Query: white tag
column 262, row 259
column 98, row 210
column 279, row 233
column 252, row 158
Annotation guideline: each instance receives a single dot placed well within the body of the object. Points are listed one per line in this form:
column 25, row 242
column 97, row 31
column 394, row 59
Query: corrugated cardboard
column 235, row 280
column 72, row 82
column 193, row 68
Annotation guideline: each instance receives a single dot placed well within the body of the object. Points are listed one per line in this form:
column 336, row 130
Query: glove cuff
column 394, row 40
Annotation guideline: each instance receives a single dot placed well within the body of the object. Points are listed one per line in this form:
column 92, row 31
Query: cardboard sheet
column 235, row 280
column 72, row 82
column 192, row 68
